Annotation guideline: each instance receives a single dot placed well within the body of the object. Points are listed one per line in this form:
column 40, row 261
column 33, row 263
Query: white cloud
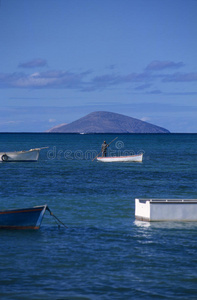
column 35, row 63
column 145, row 119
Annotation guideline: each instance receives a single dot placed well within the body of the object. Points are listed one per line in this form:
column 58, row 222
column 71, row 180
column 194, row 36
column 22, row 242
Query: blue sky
column 62, row 59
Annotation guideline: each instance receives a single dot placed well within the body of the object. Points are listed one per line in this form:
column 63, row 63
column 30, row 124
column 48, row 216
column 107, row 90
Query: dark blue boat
column 25, row 218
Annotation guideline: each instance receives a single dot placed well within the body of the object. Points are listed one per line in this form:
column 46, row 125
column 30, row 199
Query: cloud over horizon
column 181, row 77
column 162, row 65
column 57, row 79
column 35, row 63
column 48, row 79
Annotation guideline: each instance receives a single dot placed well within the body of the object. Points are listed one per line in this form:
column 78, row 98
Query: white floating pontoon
column 166, row 209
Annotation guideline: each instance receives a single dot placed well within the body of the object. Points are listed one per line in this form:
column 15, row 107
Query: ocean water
column 103, row 253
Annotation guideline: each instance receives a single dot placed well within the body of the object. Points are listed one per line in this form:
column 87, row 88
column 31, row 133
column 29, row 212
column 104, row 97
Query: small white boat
column 128, row 158
column 30, row 155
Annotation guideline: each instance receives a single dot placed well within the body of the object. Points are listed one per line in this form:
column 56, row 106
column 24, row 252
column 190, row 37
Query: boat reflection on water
column 166, row 225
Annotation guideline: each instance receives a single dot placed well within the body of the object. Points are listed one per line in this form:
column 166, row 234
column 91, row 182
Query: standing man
column 104, row 149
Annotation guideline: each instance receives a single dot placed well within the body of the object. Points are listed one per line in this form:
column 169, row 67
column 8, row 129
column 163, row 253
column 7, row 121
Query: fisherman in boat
column 104, row 149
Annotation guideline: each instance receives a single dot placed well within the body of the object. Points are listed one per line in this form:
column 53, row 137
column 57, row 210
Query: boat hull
column 31, row 155
column 25, row 218
column 129, row 158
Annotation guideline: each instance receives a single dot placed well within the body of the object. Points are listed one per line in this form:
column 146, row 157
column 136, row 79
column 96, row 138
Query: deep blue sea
column 104, row 253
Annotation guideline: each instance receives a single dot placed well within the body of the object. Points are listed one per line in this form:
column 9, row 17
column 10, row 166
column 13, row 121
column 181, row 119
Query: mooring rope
column 56, row 217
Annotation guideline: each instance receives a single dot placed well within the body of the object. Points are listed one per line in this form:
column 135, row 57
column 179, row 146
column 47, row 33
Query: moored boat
column 25, row 218
column 30, row 155
column 128, row 158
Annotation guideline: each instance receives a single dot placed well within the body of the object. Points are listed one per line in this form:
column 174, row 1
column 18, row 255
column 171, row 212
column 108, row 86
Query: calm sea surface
column 104, row 253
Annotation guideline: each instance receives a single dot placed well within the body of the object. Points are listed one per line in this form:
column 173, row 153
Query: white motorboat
column 128, row 158
column 30, row 155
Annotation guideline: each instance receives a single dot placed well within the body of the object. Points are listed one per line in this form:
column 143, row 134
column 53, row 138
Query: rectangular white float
column 166, row 209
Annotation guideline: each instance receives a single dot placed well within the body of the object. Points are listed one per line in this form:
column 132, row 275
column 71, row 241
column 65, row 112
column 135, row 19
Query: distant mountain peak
column 108, row 122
